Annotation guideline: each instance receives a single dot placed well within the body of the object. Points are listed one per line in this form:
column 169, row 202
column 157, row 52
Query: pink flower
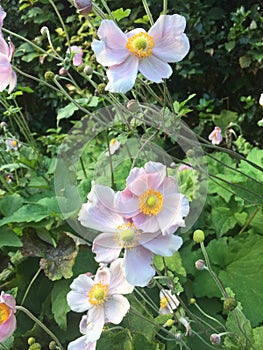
column 2, row 16
column 216, row 136
column 7, row 75
column 152, row 201
column 101, row 297
column 149, row 53
column 168, row 302
column 120, row 233
column 77, row 54
column 7, row 315
column 81, row 343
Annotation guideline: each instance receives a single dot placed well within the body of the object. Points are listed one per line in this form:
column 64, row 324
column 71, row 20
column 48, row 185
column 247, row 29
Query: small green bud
column 133, row 106
column 215, row 339
column 230, row 304
column 190, row 153
column 101, row 88
column 49, row 76
column 35, row 346
column 192, row 301
column 31, row 341
column 200, row 264
column 199, row 236
column 169, row 322
column 52, row 345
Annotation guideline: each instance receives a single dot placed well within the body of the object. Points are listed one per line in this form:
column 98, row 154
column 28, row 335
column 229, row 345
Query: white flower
column 168, row 302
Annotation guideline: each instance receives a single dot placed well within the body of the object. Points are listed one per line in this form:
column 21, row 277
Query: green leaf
column 115, row 340
column 120, row 14
column 60, row 307
column 66, row 112
column 140, row 342
column 10, row 204
column 258, row 337
column 9, row 238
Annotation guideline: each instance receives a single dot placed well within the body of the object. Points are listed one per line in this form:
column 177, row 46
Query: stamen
column 140, row 45
column 164, row 302
column 151, row 202
column 4, row 312
column 127, row 235
column 98, row 294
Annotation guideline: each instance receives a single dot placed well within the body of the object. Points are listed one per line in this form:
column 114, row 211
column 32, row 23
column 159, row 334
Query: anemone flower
column 77, row 54
column 81, row 343
column 152, row 201
column 168, row 302
column 119, row 233
column 101, row 297
column 7, row 315
column 126, row 54
column 216, row 136
column 7, row 75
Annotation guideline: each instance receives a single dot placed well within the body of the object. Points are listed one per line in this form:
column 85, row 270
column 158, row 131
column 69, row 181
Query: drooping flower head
column 101, row 297
column 81, row 343
column 7, row 74
column 7, row 315
column 119, row 233
column 126, row 54
column 216, row 136
column 152, row 201
column 168, row 302
column 77, row 54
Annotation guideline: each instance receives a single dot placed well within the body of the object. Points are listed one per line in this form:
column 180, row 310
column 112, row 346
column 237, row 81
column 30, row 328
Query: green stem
column 107, row 9
column 98, row 11
column 30, row 285
column 249, row 221
column 35, row 319
column 165, row 6
column 148, row 12
column 3, row 346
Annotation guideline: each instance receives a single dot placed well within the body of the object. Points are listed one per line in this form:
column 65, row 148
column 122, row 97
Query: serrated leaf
column 60, row 307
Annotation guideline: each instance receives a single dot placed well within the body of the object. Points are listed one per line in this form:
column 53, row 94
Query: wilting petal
column 102, row 276
column 138, row 266
column 106, row 248
column 118, row 282
column 164, row 245
column 122, row 76
column 95, row 323
column 116, row 308
column 155, row 69
column 77, row 298
column 111, row 49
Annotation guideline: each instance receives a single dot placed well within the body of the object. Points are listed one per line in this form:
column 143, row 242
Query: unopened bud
column 200, row 264
column 230, row 304
column 49, row 76
column 169, row 323
column 199, row 236
column 88, row 70
column 190, row 153
column 133, row 106
column 63, row 71
column 44, row 31
column 215, row 339
column 84, row 6
column 35, row 346
column 101, row 88
column 3, row 125
column 192, row 301
column 31, row 341
column 52, row 345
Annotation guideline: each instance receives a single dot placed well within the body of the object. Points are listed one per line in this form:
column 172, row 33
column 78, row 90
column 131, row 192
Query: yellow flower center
column 14, row 143
column 112, row 142
column 4, row 312
column 164, row 302
column 98, row 294
column 127, row 235
column 151, row 202
column 140, row 45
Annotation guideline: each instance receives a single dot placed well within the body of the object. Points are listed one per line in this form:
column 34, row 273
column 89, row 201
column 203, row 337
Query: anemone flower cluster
column 7, row 74
column 102, row 298
column 141, row 220
column 126, row 54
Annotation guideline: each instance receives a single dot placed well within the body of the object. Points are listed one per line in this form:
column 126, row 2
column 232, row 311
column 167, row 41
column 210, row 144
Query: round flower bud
column 3, row 125
column 192, row 301
column 49, row 76
column 230, row 303
column 200, row 264
column 101, row 88
column 215, row 339
column 199, row 236
column 35, row 346
column 31, row 341
column 88, row 70
column 84, row 6
column 133, row 106
column 44, row 30
column 52, row 345
column 190, row 153
column 63, row 71
column 169, row 323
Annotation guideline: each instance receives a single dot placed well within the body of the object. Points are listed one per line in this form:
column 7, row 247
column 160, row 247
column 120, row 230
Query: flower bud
column 101, row 88
column 44, row 31
column 52, row 345
column 83, row 6
column 133, row 106
column 230, row 303
column 88, row 70
column 49, row 76
column 199, row 236
column 31, row 341
column 192, row 301
column 190, row 153
column 215, row 339
column 63, row 71
column 169, row 323
column 35, row 346
column 200, row 264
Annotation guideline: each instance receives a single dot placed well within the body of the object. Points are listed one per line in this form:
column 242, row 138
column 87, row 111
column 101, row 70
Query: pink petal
column 168, row 186
column 4, row 48
column 118, row 282
column 2, row 16
column 116, row 308
column 146, row 223
column 77, row 298
column 7, row 327
column 95, row 323
column 102, row 276
column 138, row 266
column 122, row 76
column 111, row 49
column 106, row 248
column 164, row 245
column 127, row 204
column 12, row 82
column 155, row 69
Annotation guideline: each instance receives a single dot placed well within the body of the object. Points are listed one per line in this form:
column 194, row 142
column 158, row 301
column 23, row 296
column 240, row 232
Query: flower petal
column 12, row 82
column 77, row 298
column 155, row 69
column 138, row 259
column 122, row 76
column 106, row 248
column 102, row 276
column 111, row 49
column 127, row 204
column 95, row 323
column 81, row 344
column 146, row 223
column 164, row 245
column 116, row 308
column 118, row 282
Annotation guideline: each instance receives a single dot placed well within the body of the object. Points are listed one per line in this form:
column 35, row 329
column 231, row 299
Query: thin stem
column 98, row 11
column 148, row 12
column 107, row 9
column 249, row 221
column 30, row 285
column 4, row 347
column 208, row 316
column 35, row 319
column 165, row 6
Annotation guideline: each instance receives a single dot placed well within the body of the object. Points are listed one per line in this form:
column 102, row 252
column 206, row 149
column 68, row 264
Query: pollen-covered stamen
column 4, row 312
column 164, row 301
column 151, row 202
column 140, row 45
column 127, row 235
column 98, row 294
column 14, row 143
